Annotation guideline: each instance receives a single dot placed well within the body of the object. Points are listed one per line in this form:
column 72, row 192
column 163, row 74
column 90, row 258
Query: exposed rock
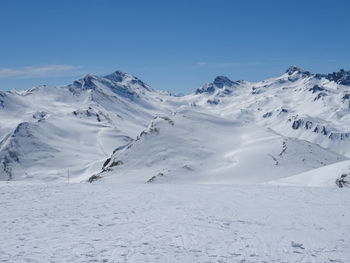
column 40, row 115
column 296, row 70
column 342, row 182
column 320, row 95
column 340, row 77
column 94, row 177
column 153, row 178
column 116, row 163
column 222, row 81
column 316, row 88
column 219, row 83
column 213, row 102
column 267, row 114
column 106, row 162
column 346, row 97
column 90, row 112
column 296, row 124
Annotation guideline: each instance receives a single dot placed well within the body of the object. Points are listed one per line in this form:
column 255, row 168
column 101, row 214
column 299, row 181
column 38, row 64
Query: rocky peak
column 126, row 79
column 296, row 70
column 221, row 81
column 117, row 76
column 340, row 77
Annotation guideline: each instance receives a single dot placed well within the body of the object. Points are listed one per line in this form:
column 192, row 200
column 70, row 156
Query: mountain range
column 116, row 127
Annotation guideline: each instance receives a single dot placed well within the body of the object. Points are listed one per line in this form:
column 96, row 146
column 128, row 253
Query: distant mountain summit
column 341, row 77
column 126, row 79
column 294, row 69
column 118, row 82
column 220, row 82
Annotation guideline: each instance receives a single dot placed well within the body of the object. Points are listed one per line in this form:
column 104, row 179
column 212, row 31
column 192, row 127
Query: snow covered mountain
column 227, row 131
column 45, row 131
column 298, row 104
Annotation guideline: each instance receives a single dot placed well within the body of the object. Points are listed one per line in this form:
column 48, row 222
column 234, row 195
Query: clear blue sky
column 174, row 45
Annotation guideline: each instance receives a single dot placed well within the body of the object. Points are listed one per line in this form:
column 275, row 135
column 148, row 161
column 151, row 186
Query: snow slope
column 194, row 147
column 324, row 176
column 105, row 222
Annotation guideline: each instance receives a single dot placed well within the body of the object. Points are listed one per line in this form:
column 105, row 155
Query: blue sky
column 172, row 45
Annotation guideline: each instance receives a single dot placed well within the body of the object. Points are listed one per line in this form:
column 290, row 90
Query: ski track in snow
column 104, row 222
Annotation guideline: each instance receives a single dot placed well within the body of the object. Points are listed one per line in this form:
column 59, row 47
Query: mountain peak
column 89, row 77
column 295, row 69
column 221, row 81
column 122, row 77
column 87, row 82
column 340, row 77
column 118, row 76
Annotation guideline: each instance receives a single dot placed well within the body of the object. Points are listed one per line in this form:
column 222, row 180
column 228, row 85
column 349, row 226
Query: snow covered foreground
column 104, row 222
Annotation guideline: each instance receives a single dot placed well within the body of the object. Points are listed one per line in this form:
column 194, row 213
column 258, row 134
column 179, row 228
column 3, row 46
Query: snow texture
column 103, row 222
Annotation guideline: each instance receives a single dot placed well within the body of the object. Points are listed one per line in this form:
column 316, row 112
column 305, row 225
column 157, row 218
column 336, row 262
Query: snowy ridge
column 283, row 126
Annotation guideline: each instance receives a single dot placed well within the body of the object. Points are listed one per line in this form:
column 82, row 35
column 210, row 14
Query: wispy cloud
column 215, row 65
column 39, row 71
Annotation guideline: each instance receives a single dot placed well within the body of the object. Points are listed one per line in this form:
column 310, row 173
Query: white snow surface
column 104, row 222
column 324, row 176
